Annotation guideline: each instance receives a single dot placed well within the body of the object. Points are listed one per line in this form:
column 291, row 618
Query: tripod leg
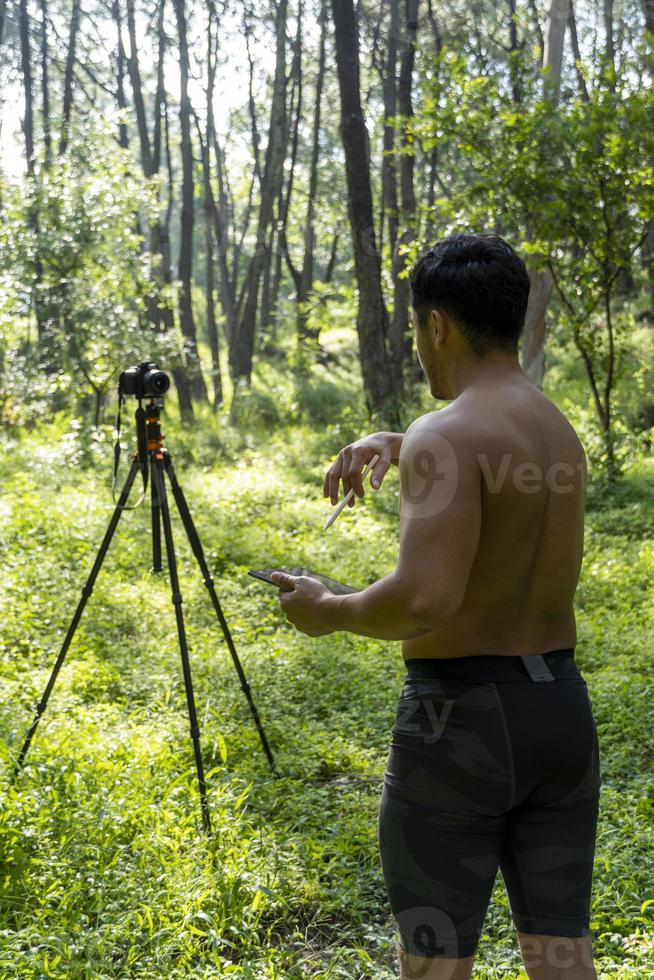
column 86, row 592
column 156, row 525
column 196, row 545
column 157, row 476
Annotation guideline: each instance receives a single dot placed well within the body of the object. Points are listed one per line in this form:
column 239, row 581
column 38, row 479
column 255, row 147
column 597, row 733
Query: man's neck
column 494, row 368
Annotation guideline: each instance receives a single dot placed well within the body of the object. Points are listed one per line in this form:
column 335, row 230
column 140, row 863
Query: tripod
column 153, row 459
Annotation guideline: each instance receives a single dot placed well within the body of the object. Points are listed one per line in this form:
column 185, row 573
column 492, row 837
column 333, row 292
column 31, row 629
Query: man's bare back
column 520, row 591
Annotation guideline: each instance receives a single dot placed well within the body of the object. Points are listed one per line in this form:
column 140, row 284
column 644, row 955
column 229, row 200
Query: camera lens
column 157, row 382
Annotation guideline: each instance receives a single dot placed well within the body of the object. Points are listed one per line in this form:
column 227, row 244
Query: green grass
column 103, row 869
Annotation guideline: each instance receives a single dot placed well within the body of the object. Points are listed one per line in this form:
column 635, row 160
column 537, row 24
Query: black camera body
column 145, row 380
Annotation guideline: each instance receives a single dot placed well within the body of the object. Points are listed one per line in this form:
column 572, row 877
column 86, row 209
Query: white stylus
column 348, row 496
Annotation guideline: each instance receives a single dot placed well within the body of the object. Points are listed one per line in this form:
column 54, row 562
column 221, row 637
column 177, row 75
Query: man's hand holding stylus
column 351, row 461
column 307, row 603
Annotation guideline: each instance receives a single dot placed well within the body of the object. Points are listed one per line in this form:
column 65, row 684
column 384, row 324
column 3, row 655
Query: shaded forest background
column 213, row 183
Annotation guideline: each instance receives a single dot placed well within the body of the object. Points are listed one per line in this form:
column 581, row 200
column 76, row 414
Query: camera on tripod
column 146, row 380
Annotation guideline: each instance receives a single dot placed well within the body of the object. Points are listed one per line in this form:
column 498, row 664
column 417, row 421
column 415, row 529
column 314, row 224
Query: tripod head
column 144, row 381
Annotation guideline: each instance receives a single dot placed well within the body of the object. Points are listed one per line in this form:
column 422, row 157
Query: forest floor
column 104, row 871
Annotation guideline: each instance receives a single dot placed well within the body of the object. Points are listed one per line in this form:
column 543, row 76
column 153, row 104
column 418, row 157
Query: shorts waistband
column 550, row 666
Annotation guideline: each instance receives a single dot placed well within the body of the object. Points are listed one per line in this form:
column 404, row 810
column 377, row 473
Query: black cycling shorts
column 494, row 762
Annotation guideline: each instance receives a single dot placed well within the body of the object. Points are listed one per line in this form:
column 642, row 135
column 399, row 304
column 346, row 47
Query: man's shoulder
column 455, row 421
column 445, row 441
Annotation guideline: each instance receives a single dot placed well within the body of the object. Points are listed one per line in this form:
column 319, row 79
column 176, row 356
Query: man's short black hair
column 480, row 282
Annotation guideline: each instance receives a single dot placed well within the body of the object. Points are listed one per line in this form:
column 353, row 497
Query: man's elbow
column 430, row 612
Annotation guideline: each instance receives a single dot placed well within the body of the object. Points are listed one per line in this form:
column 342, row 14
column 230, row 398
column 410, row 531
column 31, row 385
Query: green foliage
column 571, row 184
column 71, row 233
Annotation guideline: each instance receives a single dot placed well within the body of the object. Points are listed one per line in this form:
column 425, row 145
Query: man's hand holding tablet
column 304, row 600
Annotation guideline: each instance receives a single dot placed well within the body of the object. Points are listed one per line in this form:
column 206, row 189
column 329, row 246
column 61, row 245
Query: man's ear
column 439, row 328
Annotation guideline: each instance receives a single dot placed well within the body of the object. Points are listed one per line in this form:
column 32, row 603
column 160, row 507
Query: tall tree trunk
column 648, row 13
column 160, row 314
column 533, row 341
column 537, row 28
column 69, row 77
column 185, row 262
column 180, row 375
column 303, row 286
column 45, row 87
column 208, row 212
column 574, row 42
column 553, row 54
column 28, row 131
column 372, row 316
column 219, row 208
column 389, row 174
column 121, row 62
column 648, row 248
column 242, row 349
column 273, row 270
column 26, row 69
column 609, row 49
column 137, row 88
column 399, row 350
column 514, row 52
column 212, row 326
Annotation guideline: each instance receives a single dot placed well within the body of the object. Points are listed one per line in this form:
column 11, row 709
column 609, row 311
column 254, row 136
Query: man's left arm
column 440, row 522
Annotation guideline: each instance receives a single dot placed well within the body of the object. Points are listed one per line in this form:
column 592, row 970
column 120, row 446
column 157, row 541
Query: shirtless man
column 490, row 765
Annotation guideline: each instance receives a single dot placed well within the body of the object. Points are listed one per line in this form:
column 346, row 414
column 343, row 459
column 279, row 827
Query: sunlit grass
column 104, row 869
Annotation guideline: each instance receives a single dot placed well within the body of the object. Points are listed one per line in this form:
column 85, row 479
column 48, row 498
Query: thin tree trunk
column 648, row 13
column 433, row 154
column 137, row 91
column 26, row 69
column 185, row 262
column 399, row 351
column 219, row 209
column 242, row 349
column 331, row 261
column 574, row 42
column 69, row 76
column 553, row 54
column 372, row 317
column 180, row 376
column 648, row 251
column 514, row 51
column 538, row 29
column 648, row 248
column 45, row 88
column 533, row 341
column 303, row 286
column 160, row 314
column 28, row 131
column 209, row 207
column 609, row 50
column 389, row 173
column 272, row 273
column 121, row 62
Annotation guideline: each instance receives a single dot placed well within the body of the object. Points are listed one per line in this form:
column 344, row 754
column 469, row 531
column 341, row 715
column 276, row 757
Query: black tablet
column 338, row 588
